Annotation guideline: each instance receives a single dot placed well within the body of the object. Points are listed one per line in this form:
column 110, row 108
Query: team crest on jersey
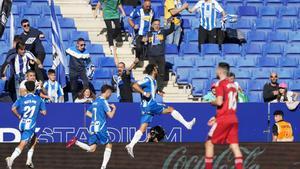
column 30, row 41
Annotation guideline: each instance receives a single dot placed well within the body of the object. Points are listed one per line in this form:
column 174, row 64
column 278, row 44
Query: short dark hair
column 122, row 63
column 231, row 74
column 30, row 71
column 20, row 45
column 17, row 38
column 149, row 69
column 24, row 21
column 154, row 20
column 106, row 87
column 30, row 86
column 79, row 40
column 278, row 112
column 51, row 71
column 225, row 66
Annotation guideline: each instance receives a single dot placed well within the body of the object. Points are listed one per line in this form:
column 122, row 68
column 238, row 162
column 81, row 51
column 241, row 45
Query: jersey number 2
column 232, row 100
column 29, row 111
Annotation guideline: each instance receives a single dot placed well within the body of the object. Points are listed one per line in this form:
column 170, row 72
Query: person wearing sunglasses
column 79, row 59
column 271, row 89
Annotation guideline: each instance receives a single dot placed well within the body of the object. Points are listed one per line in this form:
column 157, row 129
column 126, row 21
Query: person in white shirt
column 53, row 89
column 85, row 96
column 30, row 76
column 284, row 95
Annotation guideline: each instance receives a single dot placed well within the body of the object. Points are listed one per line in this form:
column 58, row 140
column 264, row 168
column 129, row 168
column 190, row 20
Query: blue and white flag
column 59, row 57
column 12, row 29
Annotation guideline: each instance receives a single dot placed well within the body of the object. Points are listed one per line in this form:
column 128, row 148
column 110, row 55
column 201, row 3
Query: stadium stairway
column 82, row 13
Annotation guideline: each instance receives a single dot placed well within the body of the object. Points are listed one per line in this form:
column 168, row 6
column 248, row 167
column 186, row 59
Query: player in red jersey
column 224, row 126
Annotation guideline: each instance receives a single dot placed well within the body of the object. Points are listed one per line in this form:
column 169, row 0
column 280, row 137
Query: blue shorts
column 101, row 137
column 26, row 135
column 153, row 108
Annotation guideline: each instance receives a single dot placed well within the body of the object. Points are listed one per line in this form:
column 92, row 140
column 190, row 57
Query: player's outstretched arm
column 218, row 101
column 112, row 113
column 15, row 112
column 136, row 87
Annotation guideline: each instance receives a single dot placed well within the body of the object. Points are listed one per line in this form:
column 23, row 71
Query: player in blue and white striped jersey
column 98, row 112
column 208, row 10
column 149, row 106
column 27, row 109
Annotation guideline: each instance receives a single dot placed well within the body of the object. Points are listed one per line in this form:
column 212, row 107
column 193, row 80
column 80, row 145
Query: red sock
column 239, row 163
column 208, row 162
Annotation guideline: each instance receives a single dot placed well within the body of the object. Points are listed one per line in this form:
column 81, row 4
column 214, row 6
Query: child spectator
column 53, row 89
column 210, row 96
column 85, row 96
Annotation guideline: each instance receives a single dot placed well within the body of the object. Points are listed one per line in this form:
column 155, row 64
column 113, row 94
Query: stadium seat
column 283, row 25
column 284, row 73
column 294, row 37
column 268, row 12
column 199, row 87
column 234, row 3
column 195, row 23
column 183, row 76
column 188, row 49
column 295, row 86
column 255, row 3
column 277, row 3
column 210, row 50
column 170, row 58
column 241, row 73
column 199, row 74
column 257, row 85
column 33, row 10
column 277, row 37
column 171, row 49
column 243, row 83
column 288, row 62
column 261, row 73
column 247, row 11
column 273, row 49
column 186, row 24
column 205, row 62
column 244, row 24
column 267, row 62
column 107, row 62
column 102, row 74
column 79, row 34
column 253, row 49
column 66, row 23
column 183, row 62
column 255, row 96
column 246, row 62
column 263, row 24
column 44, row 22
column 288, row 12
column 128, row 9
column 297, row 74
column 113, row 98
column 231, row 50
column 191, row 36
column 2, row 85
column 292, row 50
column 95, row 49
column 99, row 83
column 136, row 97
column 292, row 3
column 48, row 62
column 230, row 9
column 256, row 36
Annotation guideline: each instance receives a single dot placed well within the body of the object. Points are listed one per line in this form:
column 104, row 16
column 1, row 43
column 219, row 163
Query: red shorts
column 224, row 133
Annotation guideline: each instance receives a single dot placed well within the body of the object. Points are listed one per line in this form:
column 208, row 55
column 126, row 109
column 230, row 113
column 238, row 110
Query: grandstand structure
column 272, row 29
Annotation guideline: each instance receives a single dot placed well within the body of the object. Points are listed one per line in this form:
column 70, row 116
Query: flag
column 5, row 7
column 12, row 29
column 59, row 58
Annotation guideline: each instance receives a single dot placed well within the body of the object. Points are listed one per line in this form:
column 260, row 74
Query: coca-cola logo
column 179, row 159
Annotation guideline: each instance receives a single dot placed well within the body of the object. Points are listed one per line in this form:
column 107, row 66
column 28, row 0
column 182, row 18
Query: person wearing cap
column 270, row 91
column 284, row 95
column 210, row 96
column 282, row 130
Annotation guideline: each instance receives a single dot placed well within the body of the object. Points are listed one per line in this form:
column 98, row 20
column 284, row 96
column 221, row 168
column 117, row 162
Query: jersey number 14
column 232, row 104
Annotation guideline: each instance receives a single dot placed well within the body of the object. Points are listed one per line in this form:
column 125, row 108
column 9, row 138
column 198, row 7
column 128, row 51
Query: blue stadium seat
column 234, row 3
column 79, row 34
column 210, row 50
column 257, row 85
column 2, row 85
column 44, row 22
column 284, row 73
column 33, row 10
column 182, row 76
column 244, row 24
column 243, row 83
column 191, row 36
column 95, row 49
column 241, row 73
column 292, row 50
column 66, row 23
column 199, row 74
column 171, row 49
column 113, row 98
column 128, row 9
column 267, row 62
column 277, row 3
column 297, row 74
column 257, row 36
column 255, row 3
column 205, row 62
column 288, row 62
column 48, row 62
column 170, row 58
column 268, row 12
column 273, row 49
column 195, row 22
column 99, row 83
column 253, row 49
column 95, row 60
column 247, row 11
column 261, row 73
column 186, row 24
column 102, row 74
column 230, row 9
column 183, row 62
column 231, row 50
column 107, row 62
column 231, row 60
column 199, row 87
column 295, row 86
column 288, row 12
column 246, row 62
column 159, row 10
column 264, row 24
column 283, row 24
column 188, row 49
column 294, row 37
column 292, row 3
column 277, row 37
column 255, row 97
column 136, row 97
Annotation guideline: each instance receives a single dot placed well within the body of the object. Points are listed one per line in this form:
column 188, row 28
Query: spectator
column 140, row 20
column 270, row 91
column 284, row 95
column 19, row 62
column 282, row 130
column 123, row 80
column 32, row 39
column 85, row 96
column 242, row 98
column 210, row 96
column 208, row 18
column 157, row 134
column 173, row 8
column 54, row 90
column 79, row 59
column 11, row 80
column 31, row 76
column 156, row 49
column 111, row 14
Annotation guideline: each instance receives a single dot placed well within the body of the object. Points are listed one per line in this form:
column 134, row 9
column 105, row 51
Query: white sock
column 177, row 116
column 29, row 155
column 136, row 138
column 106, row 157
column 83, row 146
column 15, row 154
